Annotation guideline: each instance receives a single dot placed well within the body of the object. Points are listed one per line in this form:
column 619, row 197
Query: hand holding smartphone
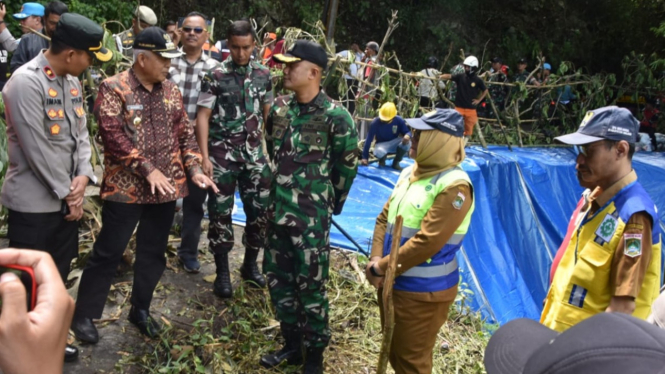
column 27, row 276
column 43, row 330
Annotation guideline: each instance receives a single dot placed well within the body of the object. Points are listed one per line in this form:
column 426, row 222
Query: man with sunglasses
column 186, row 72
column 143, row 17
column 234, row 102
column 610, row 260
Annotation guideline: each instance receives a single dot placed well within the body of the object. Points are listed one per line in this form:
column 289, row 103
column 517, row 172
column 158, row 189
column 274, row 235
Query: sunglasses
column 197, row 30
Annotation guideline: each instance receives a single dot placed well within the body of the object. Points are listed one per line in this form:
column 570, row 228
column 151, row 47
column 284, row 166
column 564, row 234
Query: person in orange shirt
column 269, row 40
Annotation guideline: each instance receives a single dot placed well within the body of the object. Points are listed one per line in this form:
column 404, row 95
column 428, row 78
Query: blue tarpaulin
column 524, row 199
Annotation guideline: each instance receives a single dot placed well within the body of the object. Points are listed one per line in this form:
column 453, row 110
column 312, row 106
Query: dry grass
column 233, row 339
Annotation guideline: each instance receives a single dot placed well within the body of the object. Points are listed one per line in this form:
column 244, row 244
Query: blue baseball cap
column 30, row 9
column 446, row 120
column 610, row 122
column 547, row 66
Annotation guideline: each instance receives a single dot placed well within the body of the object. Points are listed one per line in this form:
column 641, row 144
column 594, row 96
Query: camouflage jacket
column 452, row 92
column 236, row 95
column 315, row 156
column 498, row 92
column 125, row 43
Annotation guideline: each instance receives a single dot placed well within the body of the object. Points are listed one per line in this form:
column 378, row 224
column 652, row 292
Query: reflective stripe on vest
column 432, row 271
column 412, row 201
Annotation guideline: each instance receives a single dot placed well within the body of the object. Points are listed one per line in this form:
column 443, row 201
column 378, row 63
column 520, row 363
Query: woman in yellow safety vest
column 435, row 199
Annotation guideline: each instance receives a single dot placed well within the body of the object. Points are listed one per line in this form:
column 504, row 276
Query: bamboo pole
column 498, row 119
column 389, row 311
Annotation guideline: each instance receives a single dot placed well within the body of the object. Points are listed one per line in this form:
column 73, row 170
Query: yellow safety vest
column 581, row 285
column 412, row 201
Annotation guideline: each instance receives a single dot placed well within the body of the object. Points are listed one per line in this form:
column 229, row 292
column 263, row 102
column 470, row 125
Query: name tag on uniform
column 134, row 107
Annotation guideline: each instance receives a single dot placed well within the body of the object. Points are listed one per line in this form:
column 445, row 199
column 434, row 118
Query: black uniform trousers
column 48, row 232
column 192, row 214
column 118, row 223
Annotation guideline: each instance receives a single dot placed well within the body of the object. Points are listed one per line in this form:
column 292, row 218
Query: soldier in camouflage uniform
column 143, row 17
column 235, row 99
column 313, row 144
column 452, row 90
column 499, row 93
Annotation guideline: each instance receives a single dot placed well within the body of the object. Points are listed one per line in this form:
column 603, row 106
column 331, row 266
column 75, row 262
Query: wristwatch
column 374, row 273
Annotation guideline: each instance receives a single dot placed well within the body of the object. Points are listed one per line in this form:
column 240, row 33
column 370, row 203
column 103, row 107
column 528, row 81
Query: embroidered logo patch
column 459, row 201
column 52, row 113
column 473, row 84
column 394, row 129
column 61, row 113
column 428, row 188
column 607, row 228
column 52, row 92
column 55, row 129
column 74, row 92
column 632, row 245
column 586, row 119
column 79, row 111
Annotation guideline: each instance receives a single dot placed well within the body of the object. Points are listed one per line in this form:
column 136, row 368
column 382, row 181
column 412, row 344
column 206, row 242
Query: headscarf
column 437, row 151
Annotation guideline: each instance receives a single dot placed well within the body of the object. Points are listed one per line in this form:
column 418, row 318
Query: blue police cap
column 446, row 120
column 610, row 122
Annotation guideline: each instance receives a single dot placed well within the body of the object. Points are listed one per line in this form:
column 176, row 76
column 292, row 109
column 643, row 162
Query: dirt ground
column 175, row 299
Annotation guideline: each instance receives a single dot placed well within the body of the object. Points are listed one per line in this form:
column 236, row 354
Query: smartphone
column 64, row 208
column 27, row 277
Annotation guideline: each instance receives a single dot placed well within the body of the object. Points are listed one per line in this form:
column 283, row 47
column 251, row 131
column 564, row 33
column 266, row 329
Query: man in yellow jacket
column 611, row 262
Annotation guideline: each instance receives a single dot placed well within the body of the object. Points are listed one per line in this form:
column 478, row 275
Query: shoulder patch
column 459, row 201
column 49, row 72
column 632, row 245
column 607, row 228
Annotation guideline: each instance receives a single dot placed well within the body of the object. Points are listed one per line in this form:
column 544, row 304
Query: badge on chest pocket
column 315, row 132
column 279, row 126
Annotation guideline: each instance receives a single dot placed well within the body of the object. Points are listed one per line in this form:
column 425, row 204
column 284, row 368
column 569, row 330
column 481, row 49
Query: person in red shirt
column 651, row 116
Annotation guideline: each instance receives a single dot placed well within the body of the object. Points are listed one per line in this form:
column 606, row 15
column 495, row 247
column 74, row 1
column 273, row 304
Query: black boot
column 399, row 155
column 382, row 161
column 313, row 360
column 222, row 286
column 291, row 352
column 250, row 270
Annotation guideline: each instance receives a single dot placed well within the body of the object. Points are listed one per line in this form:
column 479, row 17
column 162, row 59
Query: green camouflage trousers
column 296, row 265
column 253, row 180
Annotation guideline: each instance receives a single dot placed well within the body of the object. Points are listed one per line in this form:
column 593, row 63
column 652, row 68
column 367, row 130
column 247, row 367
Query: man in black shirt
column 471, row 91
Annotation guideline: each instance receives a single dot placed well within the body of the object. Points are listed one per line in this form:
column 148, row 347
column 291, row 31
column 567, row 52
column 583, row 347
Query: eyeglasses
column 585, row 148
column 196, row 30
column 582, row 149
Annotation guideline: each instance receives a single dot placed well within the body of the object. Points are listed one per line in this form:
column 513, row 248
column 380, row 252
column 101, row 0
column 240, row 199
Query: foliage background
column 594, row 34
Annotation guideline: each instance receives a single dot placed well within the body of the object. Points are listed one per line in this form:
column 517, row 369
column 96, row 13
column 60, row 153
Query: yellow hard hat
column 387, row 112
